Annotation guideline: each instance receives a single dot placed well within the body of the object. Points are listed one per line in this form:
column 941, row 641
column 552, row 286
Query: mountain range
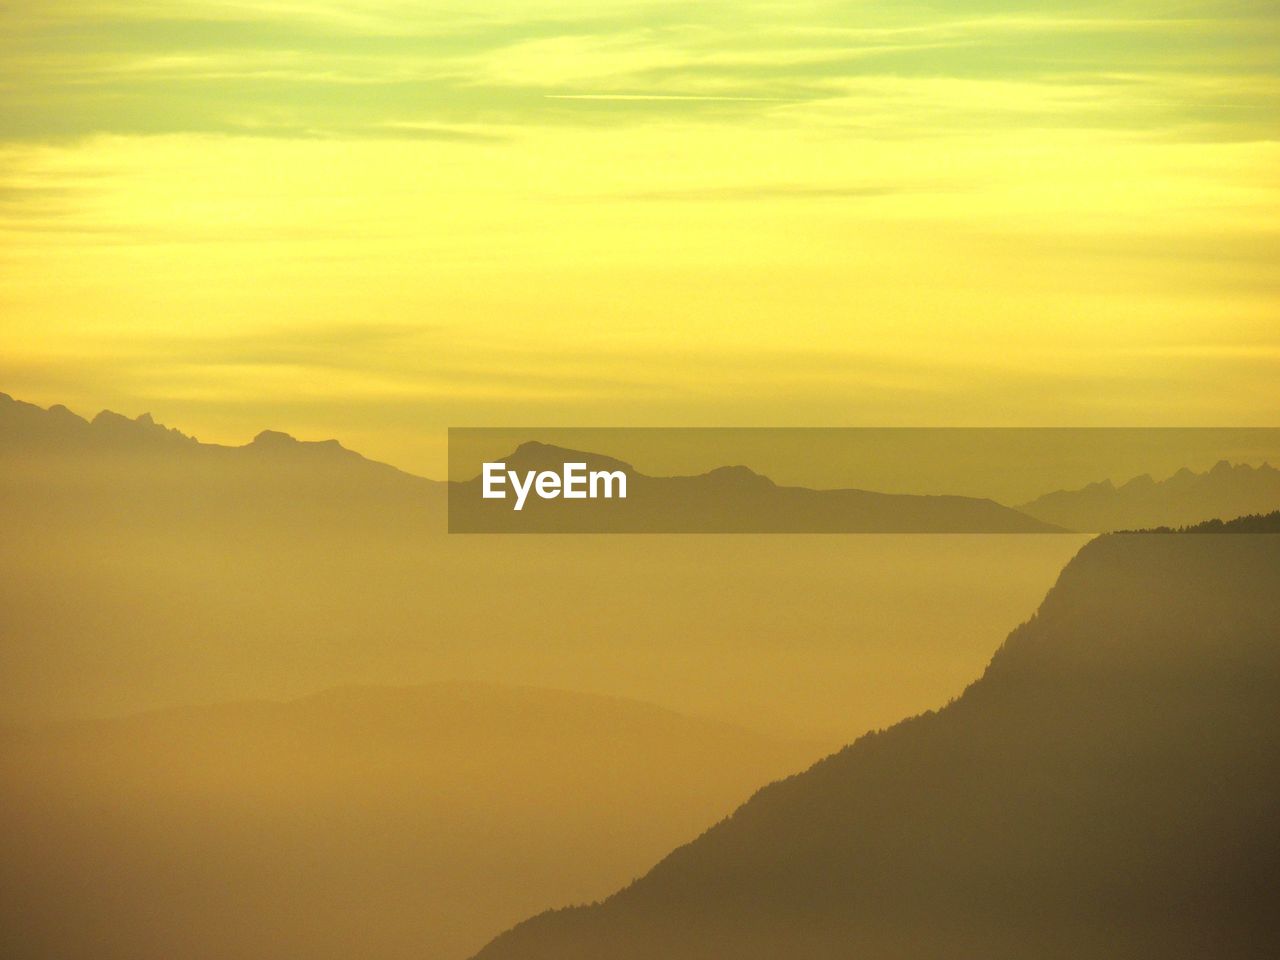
column 729, row 499
column 141, row 568
column 56, row 455
column 1117, row 756
column 1109, row 787
column 1224, row 492
column 276, row 476
column 142, row 474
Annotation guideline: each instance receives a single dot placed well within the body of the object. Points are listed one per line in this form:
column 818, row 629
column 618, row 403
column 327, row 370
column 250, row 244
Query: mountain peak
column 739, row 475
column 1224, row 491
column 62, row 413
column 276, row 442
column 274, row 438
column 1143, row 482
column 536, row 455
column 108, row 418
column 144, row 426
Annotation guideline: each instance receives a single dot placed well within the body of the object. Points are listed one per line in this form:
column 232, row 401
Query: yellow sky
column 373, row 221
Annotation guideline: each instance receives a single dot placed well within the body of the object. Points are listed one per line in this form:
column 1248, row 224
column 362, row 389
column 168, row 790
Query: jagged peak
column 1141, row 482
column 143, row 425
column 108, row 417
column 64, row 413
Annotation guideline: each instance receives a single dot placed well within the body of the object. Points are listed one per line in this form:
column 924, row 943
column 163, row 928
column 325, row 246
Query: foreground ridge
column 1109, row 787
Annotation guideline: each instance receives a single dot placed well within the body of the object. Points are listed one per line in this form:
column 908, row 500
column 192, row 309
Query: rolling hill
column 364, row 821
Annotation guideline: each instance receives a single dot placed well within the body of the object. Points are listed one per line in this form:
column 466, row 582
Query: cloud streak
column 78, row 68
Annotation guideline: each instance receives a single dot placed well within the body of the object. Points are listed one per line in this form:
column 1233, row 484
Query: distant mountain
column 364, row 821
column 1225, row 492
column 114, row 466
column 1110, row 787
column 141, row 568
column 729, row 499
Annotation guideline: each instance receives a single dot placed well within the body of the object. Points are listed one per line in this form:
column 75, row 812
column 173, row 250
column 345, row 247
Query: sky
column 377, row 220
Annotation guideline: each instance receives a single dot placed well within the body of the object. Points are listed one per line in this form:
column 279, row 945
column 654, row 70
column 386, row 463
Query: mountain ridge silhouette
column 27, row 425
column 730, row 498
column 725, row 499
column 1224, row 491
column 143, row 574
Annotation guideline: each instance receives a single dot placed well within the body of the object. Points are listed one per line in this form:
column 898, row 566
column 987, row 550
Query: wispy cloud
column 76, row 67
column 784, row 191
column 659, row 97
column 633, row 209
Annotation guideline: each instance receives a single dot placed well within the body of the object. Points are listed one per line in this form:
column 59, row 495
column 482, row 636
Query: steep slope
column 365, row 821
column 1225, row 492
column 1109, row 787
